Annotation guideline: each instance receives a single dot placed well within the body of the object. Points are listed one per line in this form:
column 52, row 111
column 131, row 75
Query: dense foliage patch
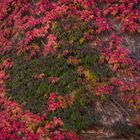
column 58, row 57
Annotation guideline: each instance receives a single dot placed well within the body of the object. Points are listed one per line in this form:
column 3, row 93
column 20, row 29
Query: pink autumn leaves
column 125, row 71
column 51, row 45
column 17, row 124
column 56, row 101
column 116, row 55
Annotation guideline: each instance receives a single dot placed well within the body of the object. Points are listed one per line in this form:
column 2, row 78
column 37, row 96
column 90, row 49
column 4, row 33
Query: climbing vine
column 58, row 56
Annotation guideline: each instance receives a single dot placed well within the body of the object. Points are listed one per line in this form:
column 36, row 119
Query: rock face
column 114, row 115
column 132, row 42
column 104, row 133
column 111, row 114
column 99, row 137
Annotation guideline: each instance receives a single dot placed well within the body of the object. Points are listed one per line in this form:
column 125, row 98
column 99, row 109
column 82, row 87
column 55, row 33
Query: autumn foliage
column 54, row 55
